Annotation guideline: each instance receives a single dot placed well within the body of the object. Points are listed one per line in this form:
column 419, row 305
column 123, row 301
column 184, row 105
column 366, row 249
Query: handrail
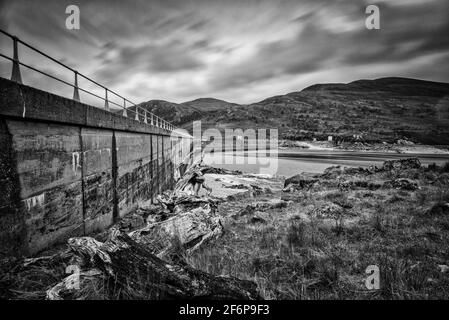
column 16, row 76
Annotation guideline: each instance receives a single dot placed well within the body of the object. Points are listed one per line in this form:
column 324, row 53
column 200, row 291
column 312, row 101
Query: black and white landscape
column 117, row 182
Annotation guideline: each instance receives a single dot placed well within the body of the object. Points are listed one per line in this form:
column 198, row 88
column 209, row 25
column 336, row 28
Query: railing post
column 125, row 113
column 76, row 94
column 137, row 115
column 15, row 74
column 152, row 120
column 145, row 119
column 106, row 101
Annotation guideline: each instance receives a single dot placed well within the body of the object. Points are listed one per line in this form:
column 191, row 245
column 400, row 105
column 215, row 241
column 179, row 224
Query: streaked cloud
column 240, row 51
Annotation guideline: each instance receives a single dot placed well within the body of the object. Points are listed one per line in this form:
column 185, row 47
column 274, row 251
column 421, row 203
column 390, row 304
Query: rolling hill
column 384, row 109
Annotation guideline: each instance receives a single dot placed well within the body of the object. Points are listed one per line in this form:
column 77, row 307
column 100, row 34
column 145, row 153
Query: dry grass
column 298, row 256
column 295, row 253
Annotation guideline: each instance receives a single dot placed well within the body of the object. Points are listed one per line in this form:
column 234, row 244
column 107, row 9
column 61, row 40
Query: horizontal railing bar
column 136, row 111
column 37, row 50
column 63, row 81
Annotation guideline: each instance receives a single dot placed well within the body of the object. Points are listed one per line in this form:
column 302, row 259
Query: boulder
column 290, row 188
column 332, row 172
column 359, row 170
column 403, row 184
column 357, row 183
column 302, row 180
column 257, row 218
column 402, row 164
column 405, row 142
column 208, row 169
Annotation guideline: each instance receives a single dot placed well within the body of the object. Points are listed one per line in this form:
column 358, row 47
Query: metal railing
column 139, row 112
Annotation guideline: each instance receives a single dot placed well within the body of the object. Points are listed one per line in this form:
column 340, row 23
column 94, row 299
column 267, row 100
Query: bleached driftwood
column 129, row 266
column 132, row 271
column 188, row 229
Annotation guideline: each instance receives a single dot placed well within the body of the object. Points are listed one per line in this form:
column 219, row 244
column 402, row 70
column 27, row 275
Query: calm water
column 289, row 163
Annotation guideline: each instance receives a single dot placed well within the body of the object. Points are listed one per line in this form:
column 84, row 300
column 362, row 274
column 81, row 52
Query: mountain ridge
column 382, row 109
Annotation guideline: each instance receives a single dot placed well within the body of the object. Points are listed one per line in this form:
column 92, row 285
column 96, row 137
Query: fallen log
column 187, row 229
column 129, row 270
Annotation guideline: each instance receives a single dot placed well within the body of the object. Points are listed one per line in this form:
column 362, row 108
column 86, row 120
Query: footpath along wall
column 70, row 169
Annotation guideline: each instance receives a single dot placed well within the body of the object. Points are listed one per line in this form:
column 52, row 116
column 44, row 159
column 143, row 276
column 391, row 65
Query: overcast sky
column 240, row 51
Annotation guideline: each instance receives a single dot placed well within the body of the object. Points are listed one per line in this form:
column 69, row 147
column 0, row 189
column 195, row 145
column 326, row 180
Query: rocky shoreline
column 400, row 146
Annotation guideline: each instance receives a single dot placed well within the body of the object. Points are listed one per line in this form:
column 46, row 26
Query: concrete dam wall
column 70, row 169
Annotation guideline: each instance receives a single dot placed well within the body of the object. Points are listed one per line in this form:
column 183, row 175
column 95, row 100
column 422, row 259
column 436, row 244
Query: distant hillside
column 209, row 104
column 380, row 110
column 176, row 113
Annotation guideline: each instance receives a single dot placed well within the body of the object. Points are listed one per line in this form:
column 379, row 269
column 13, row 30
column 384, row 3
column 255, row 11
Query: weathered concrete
column 68, row 169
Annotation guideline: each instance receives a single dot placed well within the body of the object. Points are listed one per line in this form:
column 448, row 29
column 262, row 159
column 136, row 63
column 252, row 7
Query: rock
column 291, row 188
column 237, row 186
column 405, row 142
column 254, row 190
column 208, row 169
column 256, row 219
column 354, row 184
column 238, row 196
column 402, row 164
column 358, row 170
column 302, row 180
column 258, row 175
column 332, row 172
column 271, row 204
column 403, row 184
column 248, row 210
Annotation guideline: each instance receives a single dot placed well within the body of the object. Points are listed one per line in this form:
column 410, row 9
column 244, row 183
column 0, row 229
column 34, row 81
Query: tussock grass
column 297, row 256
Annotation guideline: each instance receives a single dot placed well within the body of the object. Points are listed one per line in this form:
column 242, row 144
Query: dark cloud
column 234, row 50
column 403, row 35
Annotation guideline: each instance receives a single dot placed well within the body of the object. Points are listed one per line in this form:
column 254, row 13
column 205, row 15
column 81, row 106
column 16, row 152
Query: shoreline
column 361, row 147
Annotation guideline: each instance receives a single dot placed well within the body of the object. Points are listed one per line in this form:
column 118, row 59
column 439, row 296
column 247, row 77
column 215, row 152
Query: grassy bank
column 313, row 240
column 320, row 244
